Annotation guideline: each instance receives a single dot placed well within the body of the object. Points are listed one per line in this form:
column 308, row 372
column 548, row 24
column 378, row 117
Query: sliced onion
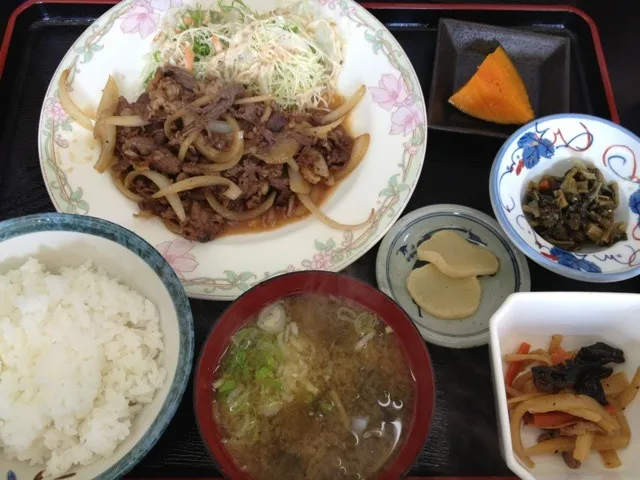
column 322, row 130
column 358, row 151
column 102, row 131
column 256, row 99
column 219, row 126
column 107, row 146
column 345, row 107
column 231, row 157
column 126, row 121
column 267, row 113
column 364, row 340
column 75, row 112
column 125, row 191
column 172, row 118
column 106, row 107
column 297, row 184
column 161, row 182
column 202, row 100
column 210, row 153
column 279, row 153
column 186, row 143
column 240, row 216
column 233, row 191
column 188, row 119
column 293, row 164
column 307, row 202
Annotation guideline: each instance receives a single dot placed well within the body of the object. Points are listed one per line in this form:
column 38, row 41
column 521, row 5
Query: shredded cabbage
column 289, row 53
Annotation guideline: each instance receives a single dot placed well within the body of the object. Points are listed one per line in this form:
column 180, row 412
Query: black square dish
column 541, row 60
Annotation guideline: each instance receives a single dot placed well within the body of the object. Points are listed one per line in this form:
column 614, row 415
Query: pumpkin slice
column 495, row 93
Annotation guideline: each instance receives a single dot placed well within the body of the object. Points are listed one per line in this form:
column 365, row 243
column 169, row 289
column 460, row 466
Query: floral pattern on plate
column 393, row 113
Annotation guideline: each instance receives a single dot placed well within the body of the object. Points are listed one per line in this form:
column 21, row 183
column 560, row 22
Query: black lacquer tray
column 463, row 439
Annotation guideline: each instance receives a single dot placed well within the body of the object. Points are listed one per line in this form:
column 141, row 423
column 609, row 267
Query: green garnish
column 263, row 373
column 201, row 48
column 149, row 77
column 156, row 56
column 326, row 407
column 227, row 386
column 196, row 16
column 270, row 382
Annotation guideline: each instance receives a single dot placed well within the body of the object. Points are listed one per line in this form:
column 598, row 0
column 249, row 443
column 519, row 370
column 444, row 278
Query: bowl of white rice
column 96, row 347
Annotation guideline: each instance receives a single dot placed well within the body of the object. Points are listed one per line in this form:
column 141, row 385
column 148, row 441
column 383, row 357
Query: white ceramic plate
column 397, row 258
column 392, row 112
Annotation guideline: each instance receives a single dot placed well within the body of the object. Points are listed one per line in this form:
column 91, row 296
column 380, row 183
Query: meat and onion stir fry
column 575, row 209
column 200, row 155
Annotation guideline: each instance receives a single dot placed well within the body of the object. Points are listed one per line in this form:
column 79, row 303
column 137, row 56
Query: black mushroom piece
column 581, row 378
column 601, row 353
column 575, row 209
column 583, row 374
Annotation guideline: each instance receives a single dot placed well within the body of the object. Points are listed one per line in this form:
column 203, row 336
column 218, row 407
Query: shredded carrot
column 559, row 355
column 217, row 45
column 515, row 367
column 552, row 419
column 189, row 58
column 187, row 21
column 611, row 409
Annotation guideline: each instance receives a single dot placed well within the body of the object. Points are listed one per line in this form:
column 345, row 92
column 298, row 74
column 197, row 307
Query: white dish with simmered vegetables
column 566, row 374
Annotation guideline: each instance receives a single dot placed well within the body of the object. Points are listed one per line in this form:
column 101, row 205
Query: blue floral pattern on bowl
column 551, row 144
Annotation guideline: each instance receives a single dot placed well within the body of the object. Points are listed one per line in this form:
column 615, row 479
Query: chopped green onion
column 326, row 407
column 264, row 372
column 270, row 382
column 227, row 386
column 200, row 48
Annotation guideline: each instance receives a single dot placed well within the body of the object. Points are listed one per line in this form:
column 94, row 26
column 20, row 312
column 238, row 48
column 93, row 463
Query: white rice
column 80, row 354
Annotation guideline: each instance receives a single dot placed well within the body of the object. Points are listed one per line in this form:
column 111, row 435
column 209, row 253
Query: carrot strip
column 544, row 184
column 559, row 355
column 552, row 419
column 189, row 58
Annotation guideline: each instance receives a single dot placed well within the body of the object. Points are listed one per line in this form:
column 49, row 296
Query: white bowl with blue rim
column 397, row 258
column 551, row 145
column 58, row 240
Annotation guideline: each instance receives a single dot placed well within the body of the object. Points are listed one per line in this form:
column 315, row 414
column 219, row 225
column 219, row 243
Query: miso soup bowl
column 324, row 283
column 552, row 145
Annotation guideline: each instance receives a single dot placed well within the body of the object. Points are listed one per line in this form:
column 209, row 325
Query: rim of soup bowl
column 523, row 245
column 252, row 301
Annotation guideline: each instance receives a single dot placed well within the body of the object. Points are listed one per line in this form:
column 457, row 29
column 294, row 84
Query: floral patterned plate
column 550, row 145
column 397, row 258
column 393, row 112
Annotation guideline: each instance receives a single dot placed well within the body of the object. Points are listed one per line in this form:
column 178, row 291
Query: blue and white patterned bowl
column 69, row 240
column 550, row 145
